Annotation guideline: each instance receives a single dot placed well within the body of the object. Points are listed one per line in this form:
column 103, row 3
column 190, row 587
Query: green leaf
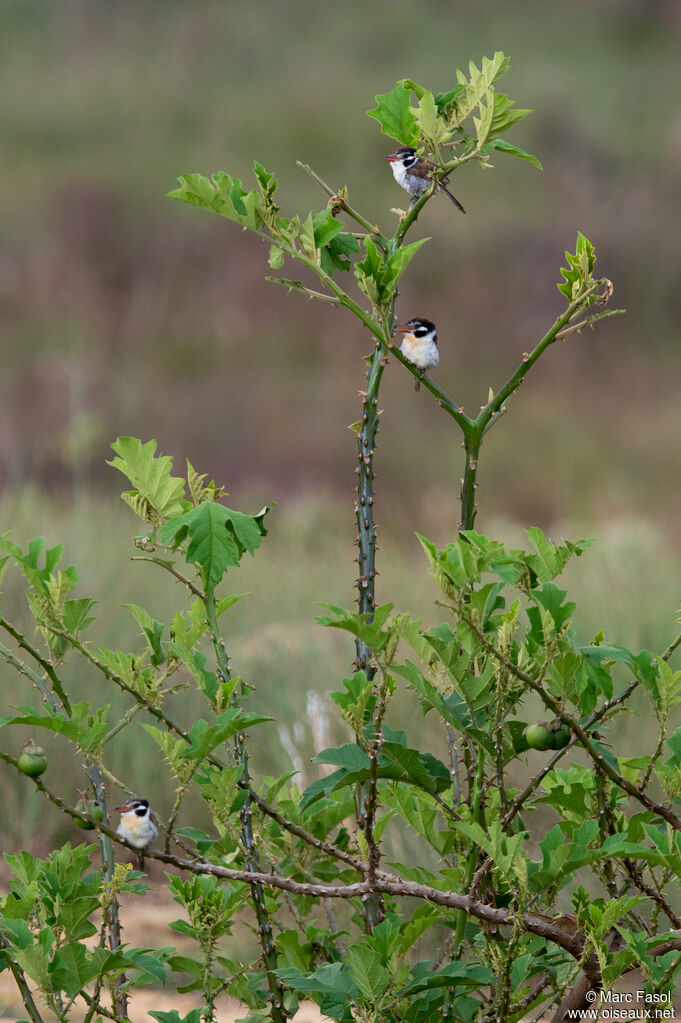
column 152, row 629
column 218, row 537
column 483, row 124
column 349, row 755
column 421, row 769
column 73, row 966
column 453, row 975
column 506, row 147
column 366, row 969
column 401, row 258
column 276, row 257
column 34, row 960
column 325, row 227
column 329, row 981
column 369, row 273
column 307, row 239
column 395, row 114
column 223, row 195
column 478, row 84
column 267, row 183
column 578, row 274
column 444, row 100
column 162, row 495
column 434, row 127
column 504, row 114
column 195, row 1016
column 335, row 254
column 83, row 728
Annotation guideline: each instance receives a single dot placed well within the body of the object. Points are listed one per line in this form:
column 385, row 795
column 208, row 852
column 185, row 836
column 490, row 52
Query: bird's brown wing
column 422, row 169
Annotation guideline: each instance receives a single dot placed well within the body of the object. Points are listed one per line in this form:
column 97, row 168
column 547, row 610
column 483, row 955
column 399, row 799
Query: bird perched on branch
column 419, row 344
column 415, row 174
column 136, row 825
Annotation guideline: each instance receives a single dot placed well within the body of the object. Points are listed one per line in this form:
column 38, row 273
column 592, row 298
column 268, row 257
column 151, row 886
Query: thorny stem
column 366, row 581
column 278, row 1013
column 472, row 444
column 364, row 505
column 371, row 801
column 120, row 998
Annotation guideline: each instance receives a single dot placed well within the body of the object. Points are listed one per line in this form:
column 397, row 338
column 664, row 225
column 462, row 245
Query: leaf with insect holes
column 395, row 114
column 218, row 537
column 335, row 255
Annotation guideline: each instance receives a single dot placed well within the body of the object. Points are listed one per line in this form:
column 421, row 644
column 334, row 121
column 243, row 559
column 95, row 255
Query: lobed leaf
column 395, row 114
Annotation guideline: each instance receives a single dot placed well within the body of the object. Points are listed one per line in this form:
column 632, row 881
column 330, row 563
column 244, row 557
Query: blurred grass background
column 124, row 313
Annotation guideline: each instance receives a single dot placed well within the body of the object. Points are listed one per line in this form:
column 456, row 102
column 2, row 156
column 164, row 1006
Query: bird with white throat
column 136, row 825
column 415, row 174
column 419, row 344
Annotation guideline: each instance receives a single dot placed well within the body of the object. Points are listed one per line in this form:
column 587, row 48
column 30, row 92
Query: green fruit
column 538, row 736
column 32, row 761
column 560, row 735
column 94, row 810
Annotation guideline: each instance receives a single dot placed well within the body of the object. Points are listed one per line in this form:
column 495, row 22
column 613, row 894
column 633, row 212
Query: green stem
column 472, row 442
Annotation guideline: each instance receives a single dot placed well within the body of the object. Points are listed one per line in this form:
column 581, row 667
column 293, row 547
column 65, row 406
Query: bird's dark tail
column 451, row 197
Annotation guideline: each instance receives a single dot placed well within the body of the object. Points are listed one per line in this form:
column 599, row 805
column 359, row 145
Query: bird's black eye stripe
column 421, row 332
column 140, row 811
